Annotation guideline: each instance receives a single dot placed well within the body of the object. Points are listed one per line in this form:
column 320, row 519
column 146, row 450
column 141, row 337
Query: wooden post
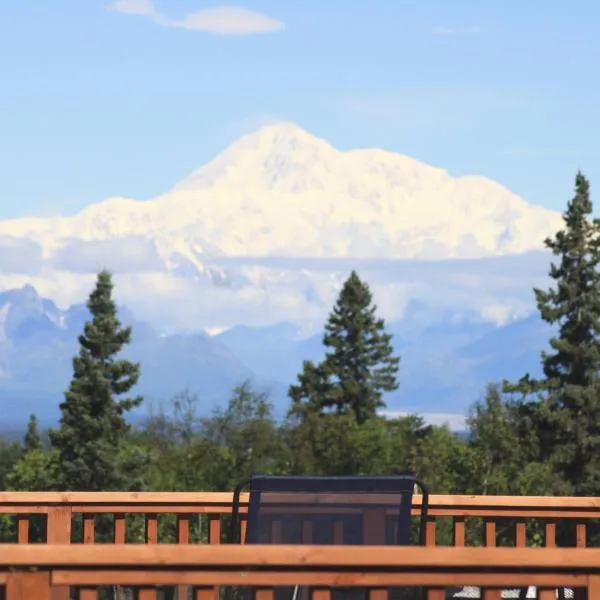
column 59, row 532
column 431, row 540
column 27, row 585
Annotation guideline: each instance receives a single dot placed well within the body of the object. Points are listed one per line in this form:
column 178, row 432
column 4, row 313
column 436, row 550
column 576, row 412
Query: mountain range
column 444, row 368
column 231, row 273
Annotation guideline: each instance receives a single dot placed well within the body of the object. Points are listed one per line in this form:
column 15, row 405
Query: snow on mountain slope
column 283, row 192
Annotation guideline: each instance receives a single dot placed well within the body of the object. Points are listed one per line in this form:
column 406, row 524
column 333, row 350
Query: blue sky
column 97, row 102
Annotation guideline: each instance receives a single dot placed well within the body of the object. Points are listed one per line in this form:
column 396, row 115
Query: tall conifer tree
column 359, row 365
column 566, row 406
column 32, row 439
column 92, row 436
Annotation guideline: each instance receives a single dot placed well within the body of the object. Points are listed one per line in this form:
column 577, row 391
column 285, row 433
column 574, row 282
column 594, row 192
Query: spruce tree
column 32, row 440
column 566, row 407
column 91, row 441
column 359, row 365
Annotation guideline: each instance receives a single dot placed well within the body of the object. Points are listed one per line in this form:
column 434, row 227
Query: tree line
column 533, row 436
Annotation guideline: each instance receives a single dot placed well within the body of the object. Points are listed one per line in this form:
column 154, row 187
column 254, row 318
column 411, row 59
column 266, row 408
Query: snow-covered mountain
column 201, row 251
column 283, row 192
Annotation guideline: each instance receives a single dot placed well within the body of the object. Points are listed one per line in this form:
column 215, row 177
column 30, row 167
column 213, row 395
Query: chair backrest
column 330, row 510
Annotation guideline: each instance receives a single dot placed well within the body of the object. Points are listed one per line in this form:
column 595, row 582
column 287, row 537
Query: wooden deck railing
column 198, row 518
column 29, row 572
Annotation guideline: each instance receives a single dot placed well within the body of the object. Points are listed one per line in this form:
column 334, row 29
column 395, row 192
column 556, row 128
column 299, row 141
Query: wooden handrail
column 261, row 557
column 225, row 498
column 219, row 503
column 35, row 569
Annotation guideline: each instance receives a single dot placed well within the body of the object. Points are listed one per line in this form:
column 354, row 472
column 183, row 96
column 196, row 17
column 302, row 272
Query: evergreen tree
column 359, row 365
column 32, row 440
column 91, row 441
column 566, row 409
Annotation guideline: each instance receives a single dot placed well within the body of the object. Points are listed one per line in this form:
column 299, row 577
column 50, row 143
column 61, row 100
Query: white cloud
column 126, row 255
column 217, row 20
column 456, row 31
column 19, row 256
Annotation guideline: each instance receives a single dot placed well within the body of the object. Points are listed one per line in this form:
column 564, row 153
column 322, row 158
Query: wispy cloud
column 455, row 31
column 217, row 20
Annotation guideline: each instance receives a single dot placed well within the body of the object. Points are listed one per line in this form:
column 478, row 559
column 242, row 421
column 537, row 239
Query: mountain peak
column 26, row 295
column 283, row 131
column 270, row 154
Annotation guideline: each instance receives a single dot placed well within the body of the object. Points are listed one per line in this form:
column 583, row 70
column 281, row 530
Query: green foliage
column 358, row 366
column 565, row 410
column 180, row 459
column 332, row 444
column 246, row 437
column 10, row 454
column 92, row 436
column 37, row 470
column 503, row 457
column 32, row 439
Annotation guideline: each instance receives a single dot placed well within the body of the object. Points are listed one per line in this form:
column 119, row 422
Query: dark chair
column 330, row 510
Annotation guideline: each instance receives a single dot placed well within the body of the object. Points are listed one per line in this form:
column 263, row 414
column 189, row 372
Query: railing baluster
column 520, row 534
column 151, row 538
column 89, row 537
column 214, row 529
column 267, row 594
column 521, row 542
column 151, row 529
column 430, row 540
column 430, row 531
column 490, row 541
column 89, row 529
column 581, row 534
column 323, row 594
column 23, row 529
column 489, row 534
column 120, row 529
column 205, row 593
column 550, row 534
column 593, row 590
column 458, row 531
column 183, row 537
column 581, row 542
column 119, row 537
column 59, row 532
